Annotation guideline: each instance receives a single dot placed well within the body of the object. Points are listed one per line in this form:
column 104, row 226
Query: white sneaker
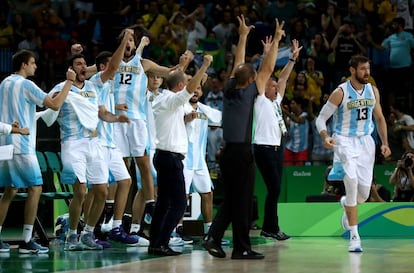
column 344, row 218
column 176, row 241
column 142, row 242
column 105, row 228
column 355, row 245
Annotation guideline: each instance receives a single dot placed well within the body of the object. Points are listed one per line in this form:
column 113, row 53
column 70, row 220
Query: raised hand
column 295, row 49
column 279, row 32
column 243, row 28
column 70, row 75
column 207, row 60
column 267, row 43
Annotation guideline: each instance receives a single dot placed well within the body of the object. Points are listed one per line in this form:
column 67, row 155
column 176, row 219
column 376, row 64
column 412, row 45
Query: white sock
column 134, row 228
column 72, row 231
column 88, row 228
column 353, row 232
column 149, row 201
column 0, row 229
column 116, row 223
column 27, row 232
column 207, row 227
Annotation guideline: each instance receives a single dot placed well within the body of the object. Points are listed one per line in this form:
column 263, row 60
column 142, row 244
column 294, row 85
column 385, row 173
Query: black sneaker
column 32, row 248
column 280, row 235
column 149, row 210
column 186, row 238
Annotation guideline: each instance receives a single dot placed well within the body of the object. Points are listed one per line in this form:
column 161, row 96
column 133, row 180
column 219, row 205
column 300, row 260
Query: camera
column 408, row 162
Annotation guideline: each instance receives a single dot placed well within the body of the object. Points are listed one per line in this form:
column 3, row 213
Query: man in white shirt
column 269, row 130
column 172, row 145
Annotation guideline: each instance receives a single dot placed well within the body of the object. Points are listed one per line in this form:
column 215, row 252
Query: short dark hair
column 243, row 73
column 102, row 58
column 356, row 60
column 21, row 57
column 73, row 57
column 399, row 20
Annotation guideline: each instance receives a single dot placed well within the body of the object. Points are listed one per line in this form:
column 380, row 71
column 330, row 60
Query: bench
column 52, row 189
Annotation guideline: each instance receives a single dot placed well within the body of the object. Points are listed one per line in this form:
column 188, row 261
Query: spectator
column 404, row 125
column 330, row 20
column 315, row 81
column 296, row 152
column 400, row 44
column 403, row 179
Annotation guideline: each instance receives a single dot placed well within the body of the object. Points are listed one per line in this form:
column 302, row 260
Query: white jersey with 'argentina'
column 354, row 114
column 130, row 87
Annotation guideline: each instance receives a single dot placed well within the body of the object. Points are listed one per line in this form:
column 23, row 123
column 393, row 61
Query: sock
column 88, row 228
column 354, row 232
column 116, row 224
column 149, row 201
column 0, row 229
column 134, row 228
column 109, row 210
column 72, row 231
column 207, row 227
column 27, row 233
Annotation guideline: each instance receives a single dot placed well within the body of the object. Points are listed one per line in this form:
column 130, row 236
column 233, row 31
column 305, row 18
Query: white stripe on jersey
column 130, row 87
column 19, row 97
column 70, row 126
column 354, row 114
column 197, row 141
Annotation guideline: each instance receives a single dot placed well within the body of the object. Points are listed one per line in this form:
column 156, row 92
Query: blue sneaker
column 32, row 248
column 119, row 235
column 4, row 247
column 88, row 241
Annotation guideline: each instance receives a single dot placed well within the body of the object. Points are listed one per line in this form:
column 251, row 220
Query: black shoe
column 148, row 212
column 213, row 248
column 162, row 251
column 280, row 235
column 186, row 238
column 247, row 255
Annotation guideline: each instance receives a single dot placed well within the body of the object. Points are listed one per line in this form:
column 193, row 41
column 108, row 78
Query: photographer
column 403, row 179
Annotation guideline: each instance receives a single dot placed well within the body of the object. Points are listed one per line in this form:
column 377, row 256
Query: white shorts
column 117, row 169
column 357, row 156
column 198, row 180
column 83, row 159
column 20, row 172
column 131, row 139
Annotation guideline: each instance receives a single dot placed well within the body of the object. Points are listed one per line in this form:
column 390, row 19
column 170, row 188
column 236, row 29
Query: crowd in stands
column 329, row 31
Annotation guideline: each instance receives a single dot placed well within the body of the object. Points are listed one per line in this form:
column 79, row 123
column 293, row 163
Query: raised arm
column 200, row 75
column 163, row 71
column 241, row 45
column 56, row 102
column 269, row 58
column 287, row 69
column 116, row 59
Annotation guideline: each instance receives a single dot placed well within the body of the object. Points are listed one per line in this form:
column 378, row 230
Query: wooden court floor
column 299, row 254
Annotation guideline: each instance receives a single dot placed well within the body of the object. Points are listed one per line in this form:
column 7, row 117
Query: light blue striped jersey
column 106, row 98
column 19, row 97
column 354, row 115
column 299, row 134
column 130, row 87
column 70, row 125
column 197, row 140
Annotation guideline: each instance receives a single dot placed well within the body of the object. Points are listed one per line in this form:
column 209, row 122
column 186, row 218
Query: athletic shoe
column 103, row 243
column 119, row 235
column 149, row 210
column 72, row 243
column 4, row 247
column 107, row 227
column 355, row 245
column 140, row 234
column 88, row 241
column 32, row 248
column 176, row 241
column 280, row 235
column 225, row 242
column 186, row 238
column 344, row 218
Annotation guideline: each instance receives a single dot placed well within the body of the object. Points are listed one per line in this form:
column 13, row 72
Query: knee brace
column 351, row 189
column 363, row 194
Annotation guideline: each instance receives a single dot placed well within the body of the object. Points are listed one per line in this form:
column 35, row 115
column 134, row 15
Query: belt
column 273, row 147
column 173, row 154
